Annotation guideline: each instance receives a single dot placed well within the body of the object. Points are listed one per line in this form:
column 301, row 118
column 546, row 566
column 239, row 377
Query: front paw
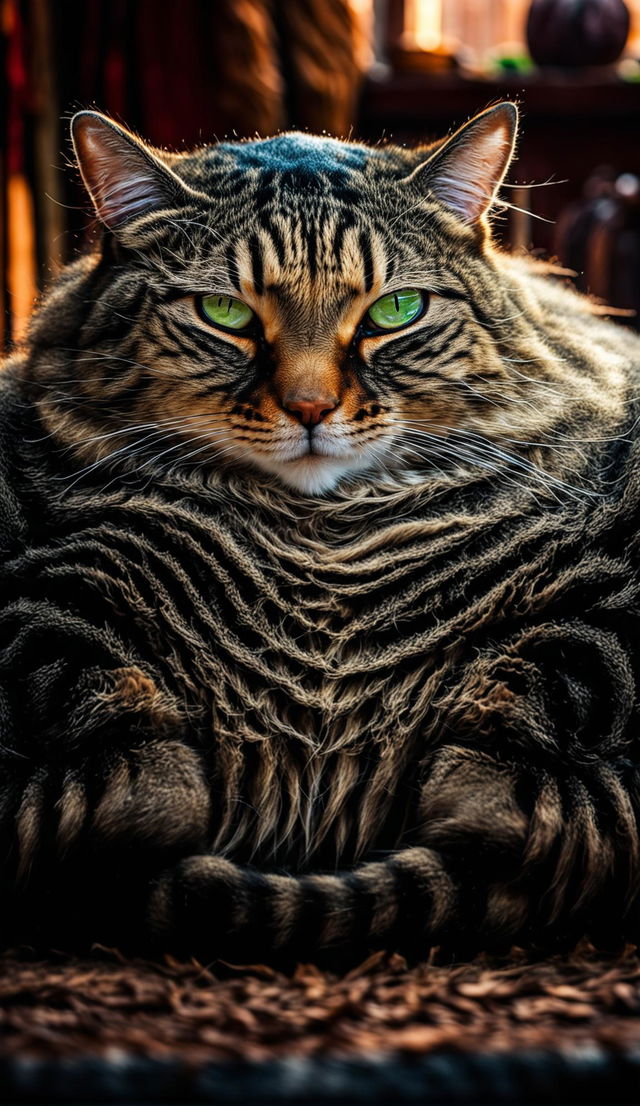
column 156, row 795
column 468, row 801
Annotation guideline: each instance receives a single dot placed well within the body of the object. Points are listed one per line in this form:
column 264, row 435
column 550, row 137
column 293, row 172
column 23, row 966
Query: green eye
column 397, row 309
column 225, row 311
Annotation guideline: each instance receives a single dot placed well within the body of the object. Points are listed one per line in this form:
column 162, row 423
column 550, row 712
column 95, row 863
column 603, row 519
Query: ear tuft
column 467, row 171
column 123, row 178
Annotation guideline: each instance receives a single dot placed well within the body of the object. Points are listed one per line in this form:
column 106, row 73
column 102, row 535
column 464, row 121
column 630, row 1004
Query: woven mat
column 105, row 1029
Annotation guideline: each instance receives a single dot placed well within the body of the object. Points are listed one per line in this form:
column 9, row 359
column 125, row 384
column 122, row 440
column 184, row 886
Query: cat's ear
column 123, row 177
column 467, row 171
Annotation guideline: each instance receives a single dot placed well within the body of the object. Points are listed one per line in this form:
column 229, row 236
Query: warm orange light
column 633, row 41
column 423, row 24
column 21, row 275
column 478, row 26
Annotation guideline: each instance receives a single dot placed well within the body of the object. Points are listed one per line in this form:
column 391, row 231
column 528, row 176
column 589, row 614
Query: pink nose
column 310, row 411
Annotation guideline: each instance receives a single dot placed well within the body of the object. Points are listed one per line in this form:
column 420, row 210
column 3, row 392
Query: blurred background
column 401, row 70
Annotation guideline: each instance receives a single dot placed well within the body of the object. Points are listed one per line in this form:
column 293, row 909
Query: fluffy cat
column 320, row 564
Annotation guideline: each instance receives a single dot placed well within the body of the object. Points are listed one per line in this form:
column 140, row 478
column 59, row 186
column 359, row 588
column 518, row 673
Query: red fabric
column 158, row 66
column 17, row 86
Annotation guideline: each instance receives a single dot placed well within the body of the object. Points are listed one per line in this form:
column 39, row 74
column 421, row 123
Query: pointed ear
column 467, row 171
column 123, row 177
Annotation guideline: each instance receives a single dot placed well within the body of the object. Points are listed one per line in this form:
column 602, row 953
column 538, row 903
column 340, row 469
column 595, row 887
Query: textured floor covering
column 103, row 1029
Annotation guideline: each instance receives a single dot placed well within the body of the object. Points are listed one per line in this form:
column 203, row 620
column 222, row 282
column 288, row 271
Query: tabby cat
column 321, row 612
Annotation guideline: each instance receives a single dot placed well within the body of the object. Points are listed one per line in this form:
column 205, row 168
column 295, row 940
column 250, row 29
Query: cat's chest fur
column 308, row 657
column 308, row 653
column 295, row 631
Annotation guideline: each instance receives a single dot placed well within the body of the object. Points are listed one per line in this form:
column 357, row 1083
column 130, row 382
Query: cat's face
column 295, row 304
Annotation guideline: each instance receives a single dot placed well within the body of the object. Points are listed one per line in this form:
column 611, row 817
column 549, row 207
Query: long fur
column 248, row 713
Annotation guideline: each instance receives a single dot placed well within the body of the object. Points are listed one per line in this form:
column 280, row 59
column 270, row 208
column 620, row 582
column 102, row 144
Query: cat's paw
column 155, row 795
column 468, row 800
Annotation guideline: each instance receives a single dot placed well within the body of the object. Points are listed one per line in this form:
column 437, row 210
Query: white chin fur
column 311, row 475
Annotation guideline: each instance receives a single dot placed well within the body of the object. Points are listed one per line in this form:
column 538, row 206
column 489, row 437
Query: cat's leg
column 539, row 847
column 85, row 822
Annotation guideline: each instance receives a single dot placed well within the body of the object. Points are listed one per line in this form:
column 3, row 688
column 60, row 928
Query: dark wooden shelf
column 572, row 123
column 411, row 99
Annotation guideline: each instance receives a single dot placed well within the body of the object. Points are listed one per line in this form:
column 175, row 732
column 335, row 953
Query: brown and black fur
column 244, row 717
